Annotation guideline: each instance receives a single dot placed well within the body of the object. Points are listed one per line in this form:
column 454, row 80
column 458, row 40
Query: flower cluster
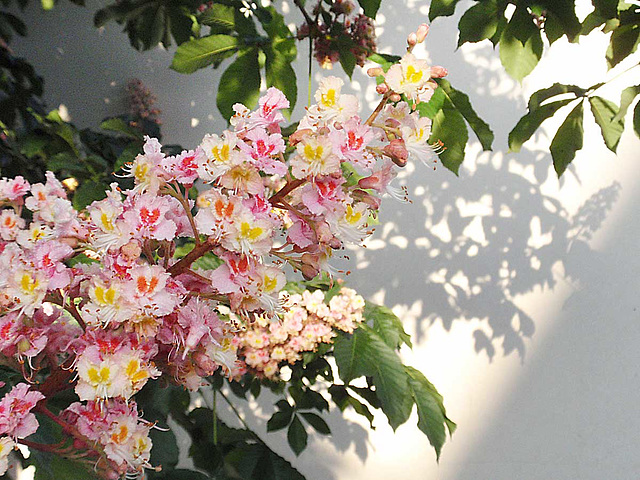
column 142, row 101
column 335, row 27
column 306, row 322
column 137, row 285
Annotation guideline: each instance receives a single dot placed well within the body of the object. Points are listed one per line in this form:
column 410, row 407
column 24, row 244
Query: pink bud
column 375, row 71
column 421, row 33
column 204, row 365
column 438, row 72
column 397, row 151
column 395, row 97
column 131, row 250
column 309, row 272
column 298, row 135
column 366, row 197
column 412, row 39
column 382, row 88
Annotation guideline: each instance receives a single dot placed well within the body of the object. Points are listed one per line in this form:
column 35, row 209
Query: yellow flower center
column 101, row 376
column 412, row 75
column 247, row 231
column 313, row 154
column 328, row 99
column 221, row 154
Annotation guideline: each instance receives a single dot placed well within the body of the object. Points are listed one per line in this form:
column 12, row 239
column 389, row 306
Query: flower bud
column 204, row 365
column 79, row 444
column 421, row 33
column 375, row 71
column 397, row 151
column 438, row 72
column 298, row 135
column 309, row 272
column 382, row 88
column 412, row 39
column 395, row 97
column 335, row 243
column 366, row 197
column 131, row 251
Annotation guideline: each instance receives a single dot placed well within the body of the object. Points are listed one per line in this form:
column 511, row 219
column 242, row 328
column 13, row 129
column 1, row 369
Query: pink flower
column 147, row 217
column 268, row 114
column 13, row 189
column 16, row 419
column 264, row 150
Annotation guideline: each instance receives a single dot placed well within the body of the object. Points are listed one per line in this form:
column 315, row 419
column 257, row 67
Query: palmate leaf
column 520, row 45
column 364, row 353
column 568, row 140
column 604, row 112
column 202, row 52
column 432, row 416
column 530, row 122
column 240, row 83
column 636, row 119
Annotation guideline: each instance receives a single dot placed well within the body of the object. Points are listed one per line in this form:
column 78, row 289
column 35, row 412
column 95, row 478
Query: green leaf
column 347, row 58
column 370, row 7
column 479, row 22
column 386, row 324
column 226, row 19
column 280, row 74
column 47, row 4
column 441, row 8
column 461, row 102
column 297, row 436
column 165, row 448
column 316, row 422
column 258, row 462
column 364, row 353
column 450, row 128
column 279, row 420
column 563, row 12
column 88, row 192
column 179, row 474
column 432, row 416
column 553, row 28
column 202, row 52
column 342, row 399
column 240, row 83
column 624, row 41
column 118, row 125
column 434, row 105
column 626, row 99
column 568, row 140
column 530, row 122
column 520, row 45
column 384, row 60
column 540, row 96
column 636, row 119
column 604, row 113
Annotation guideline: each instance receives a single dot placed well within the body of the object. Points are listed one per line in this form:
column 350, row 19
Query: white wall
column 521, row 290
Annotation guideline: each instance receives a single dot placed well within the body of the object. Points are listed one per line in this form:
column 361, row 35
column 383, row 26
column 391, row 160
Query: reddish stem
column 284, row 191
column 185, row 262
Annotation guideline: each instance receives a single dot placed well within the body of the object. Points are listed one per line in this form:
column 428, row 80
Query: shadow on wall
column 467, row 247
